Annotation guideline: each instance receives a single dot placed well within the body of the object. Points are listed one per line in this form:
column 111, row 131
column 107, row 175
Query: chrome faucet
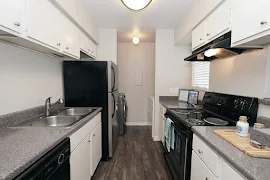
column 49, row 106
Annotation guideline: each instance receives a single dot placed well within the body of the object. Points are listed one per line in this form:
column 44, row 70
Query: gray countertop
column 172, row 102
column 251, row 168
column 20, row 147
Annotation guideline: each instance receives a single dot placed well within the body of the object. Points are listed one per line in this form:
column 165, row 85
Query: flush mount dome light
column 136, row 5
column 136, row 40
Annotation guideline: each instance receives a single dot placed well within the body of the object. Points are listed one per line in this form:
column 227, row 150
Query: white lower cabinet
column 207, row 165
column 162, row 119
column 199, row 171
column 86, row 149
column 227, row 172
column 95, row 148
column 80, row 161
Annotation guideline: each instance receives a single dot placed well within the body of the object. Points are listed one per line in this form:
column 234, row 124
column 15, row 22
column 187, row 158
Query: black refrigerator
column 95, row 84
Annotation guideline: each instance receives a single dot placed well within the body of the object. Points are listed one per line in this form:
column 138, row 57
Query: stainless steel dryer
column 122, row 113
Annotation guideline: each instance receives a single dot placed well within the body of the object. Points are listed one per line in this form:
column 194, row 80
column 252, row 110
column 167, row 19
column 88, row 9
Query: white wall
column 170, row 69
column 245, row 75
column 27, row 78
column 132, row 59
column 107, row 48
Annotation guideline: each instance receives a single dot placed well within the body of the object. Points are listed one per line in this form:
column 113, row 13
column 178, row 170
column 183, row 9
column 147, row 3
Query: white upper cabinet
column 198, row 36
column 44, row 22
column 218, row 22
column 215, row 25
column 87, row 45
column 71, row 38
column 12, row 15
column 250, row 21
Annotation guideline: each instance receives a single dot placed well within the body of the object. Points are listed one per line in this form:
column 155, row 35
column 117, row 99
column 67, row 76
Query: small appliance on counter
column 122, row 113
column 217, row 110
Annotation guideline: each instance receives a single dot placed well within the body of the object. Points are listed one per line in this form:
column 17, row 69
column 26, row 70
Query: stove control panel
column 239, row 104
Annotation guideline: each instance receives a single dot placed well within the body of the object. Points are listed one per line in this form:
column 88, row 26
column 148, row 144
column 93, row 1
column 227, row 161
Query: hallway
column 137, row 157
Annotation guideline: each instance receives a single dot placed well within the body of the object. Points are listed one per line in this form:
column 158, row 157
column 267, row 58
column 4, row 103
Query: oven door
column 176, row 159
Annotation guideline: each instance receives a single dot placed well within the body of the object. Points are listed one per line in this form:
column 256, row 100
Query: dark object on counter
column 95, row 84
column 122, row 113
column 222, row 107
column 52, row 166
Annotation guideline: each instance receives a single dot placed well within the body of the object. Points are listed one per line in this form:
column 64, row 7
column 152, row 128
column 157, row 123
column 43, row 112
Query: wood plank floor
column 137, row 157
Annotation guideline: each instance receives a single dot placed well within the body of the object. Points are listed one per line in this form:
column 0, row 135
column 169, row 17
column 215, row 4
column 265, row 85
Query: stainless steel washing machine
column 122, row 113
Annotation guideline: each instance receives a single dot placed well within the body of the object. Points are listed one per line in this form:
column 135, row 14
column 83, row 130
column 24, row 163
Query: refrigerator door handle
column 113, row 79
column 113, row 105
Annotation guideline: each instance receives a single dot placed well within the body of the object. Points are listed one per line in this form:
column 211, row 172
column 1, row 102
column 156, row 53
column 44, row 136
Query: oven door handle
column 183, row 133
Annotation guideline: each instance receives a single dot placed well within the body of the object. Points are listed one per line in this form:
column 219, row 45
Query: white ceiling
column 160, row 14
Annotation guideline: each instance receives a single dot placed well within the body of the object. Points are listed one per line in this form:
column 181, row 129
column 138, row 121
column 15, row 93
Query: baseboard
column 138, row 123
column 156, row 138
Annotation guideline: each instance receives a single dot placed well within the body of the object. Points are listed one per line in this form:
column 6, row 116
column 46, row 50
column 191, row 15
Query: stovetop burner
column 216, row 121
column 186, row 112
column 195, row 122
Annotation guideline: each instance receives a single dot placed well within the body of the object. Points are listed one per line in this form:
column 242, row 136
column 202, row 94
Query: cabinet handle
column 94, row 135
column 207, row 179
column 201, row 39
column 67, row 47
column 89, row 141
column 58, row 44
column 263, row 22
column 200, row 151
column 17, row 23
column 92, row 52
column 208, row 34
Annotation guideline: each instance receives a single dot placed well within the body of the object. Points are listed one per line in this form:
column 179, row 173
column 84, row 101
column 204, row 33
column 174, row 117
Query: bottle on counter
column 242, row 126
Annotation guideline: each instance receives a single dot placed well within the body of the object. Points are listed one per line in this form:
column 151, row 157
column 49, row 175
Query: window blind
column 200, row 74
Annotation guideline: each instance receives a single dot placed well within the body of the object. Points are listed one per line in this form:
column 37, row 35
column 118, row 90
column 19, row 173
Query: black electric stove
column 217, row 109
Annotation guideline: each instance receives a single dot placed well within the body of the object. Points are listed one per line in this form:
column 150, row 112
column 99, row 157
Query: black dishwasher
column 52, row 166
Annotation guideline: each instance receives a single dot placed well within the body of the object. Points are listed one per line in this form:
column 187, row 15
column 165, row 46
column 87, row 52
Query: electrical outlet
column 171, row 90
column 175, row 90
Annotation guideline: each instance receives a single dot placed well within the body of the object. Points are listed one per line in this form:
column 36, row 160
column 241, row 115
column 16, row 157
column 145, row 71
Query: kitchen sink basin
column 75, row 112
column 50, row 121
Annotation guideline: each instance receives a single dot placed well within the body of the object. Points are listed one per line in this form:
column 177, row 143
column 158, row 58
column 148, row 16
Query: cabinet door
column 80, row 161
column 219, row 21
column 85, row 43
column 12, row 14
column 96, row 147
column 44, row 22
column 70, row 6
column 199, row 170
column 249, row 18
column 93, row 48
column 229, row 173
column 71, row 37
column 198, row 36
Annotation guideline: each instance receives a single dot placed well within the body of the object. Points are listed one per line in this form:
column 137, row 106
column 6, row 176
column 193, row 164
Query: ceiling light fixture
column 136, row 5
column 136, row 40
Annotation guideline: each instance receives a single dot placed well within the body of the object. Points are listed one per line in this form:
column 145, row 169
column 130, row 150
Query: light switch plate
column 171, row 90
column 175, row 90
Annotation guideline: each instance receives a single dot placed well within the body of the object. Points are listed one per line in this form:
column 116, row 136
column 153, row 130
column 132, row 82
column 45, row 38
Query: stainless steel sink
column 75, row 112
column 50, row 121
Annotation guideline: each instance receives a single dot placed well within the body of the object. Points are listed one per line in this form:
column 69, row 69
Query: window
column 200, row 75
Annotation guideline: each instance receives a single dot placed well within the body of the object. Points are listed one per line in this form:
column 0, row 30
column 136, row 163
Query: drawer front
column 199, row 171
column 207, row 155
column 77, row 137
column 228, row 172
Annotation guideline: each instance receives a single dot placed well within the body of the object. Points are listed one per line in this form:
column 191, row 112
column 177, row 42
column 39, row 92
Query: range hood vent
column 218, row 48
